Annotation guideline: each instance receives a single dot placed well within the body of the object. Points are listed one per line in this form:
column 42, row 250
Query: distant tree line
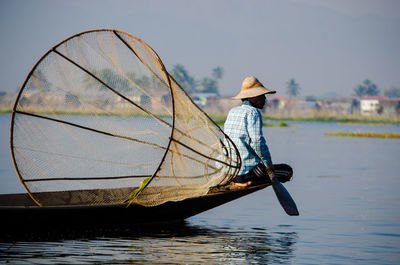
column 121, row 82
column 191, row 85
column 368, row 88
column 393, row 92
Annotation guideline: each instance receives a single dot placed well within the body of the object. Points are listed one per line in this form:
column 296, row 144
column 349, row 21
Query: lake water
column 346, row 189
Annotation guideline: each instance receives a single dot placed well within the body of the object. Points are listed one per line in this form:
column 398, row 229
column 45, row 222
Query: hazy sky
column 328, row 46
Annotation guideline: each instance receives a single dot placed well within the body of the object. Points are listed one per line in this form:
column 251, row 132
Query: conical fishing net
column 100, row 121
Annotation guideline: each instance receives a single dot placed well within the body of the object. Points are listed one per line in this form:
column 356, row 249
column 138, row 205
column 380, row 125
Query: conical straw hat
column 251, row 87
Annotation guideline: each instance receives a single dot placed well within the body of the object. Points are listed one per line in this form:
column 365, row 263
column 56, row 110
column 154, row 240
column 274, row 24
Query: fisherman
column 244, row 126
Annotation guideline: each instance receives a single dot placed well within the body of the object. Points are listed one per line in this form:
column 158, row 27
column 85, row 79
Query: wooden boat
column 20, row 211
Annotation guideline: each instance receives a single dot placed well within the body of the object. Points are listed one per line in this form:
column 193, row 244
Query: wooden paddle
column 282, row 194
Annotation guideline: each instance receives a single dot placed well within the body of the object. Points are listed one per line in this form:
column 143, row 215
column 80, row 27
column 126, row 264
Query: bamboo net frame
column 99, row 111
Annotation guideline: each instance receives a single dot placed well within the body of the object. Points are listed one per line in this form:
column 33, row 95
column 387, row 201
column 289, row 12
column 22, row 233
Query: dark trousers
column 283, row 173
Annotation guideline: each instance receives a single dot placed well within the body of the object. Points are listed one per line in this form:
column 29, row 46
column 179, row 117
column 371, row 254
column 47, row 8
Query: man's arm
column 257, row 141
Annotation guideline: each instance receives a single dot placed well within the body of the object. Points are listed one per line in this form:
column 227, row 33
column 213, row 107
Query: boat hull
column 27, row 216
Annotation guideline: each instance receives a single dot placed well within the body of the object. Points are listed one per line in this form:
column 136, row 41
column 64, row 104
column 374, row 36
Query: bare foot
column 236, row 185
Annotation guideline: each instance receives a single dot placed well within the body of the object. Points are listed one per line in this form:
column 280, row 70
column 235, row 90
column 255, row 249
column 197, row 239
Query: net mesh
column 100, row 112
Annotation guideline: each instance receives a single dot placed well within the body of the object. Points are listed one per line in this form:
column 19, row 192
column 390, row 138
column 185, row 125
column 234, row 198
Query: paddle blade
column 284, row 198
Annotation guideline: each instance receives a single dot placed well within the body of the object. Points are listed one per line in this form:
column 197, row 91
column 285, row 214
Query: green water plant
column 391, row 135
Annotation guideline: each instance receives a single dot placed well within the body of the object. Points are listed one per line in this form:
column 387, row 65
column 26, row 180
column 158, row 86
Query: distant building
column 201, row 99
column 390, row 106
column 342, row 106
column 370, row 105
column 289, row 106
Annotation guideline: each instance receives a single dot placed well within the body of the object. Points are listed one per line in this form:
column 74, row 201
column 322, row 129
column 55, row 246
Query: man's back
column 244, row 126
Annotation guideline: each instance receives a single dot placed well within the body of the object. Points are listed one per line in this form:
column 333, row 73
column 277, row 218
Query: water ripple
column 183, row 243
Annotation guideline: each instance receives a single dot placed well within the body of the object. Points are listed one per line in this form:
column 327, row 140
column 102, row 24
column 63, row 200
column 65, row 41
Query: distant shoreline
column 220, row 118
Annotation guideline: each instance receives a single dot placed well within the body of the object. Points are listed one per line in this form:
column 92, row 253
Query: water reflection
column 178, row 243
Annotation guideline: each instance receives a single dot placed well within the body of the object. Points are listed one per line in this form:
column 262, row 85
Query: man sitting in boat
column 244, row 126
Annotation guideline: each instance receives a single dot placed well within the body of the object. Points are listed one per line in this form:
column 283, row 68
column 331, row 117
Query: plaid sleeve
column 257, row 140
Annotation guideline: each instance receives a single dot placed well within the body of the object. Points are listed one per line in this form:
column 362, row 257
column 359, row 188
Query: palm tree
column 183, row 78
column 209, row 85
column 217, row 72
column 367, row 88
column 109, row 77
column 40, row 81
column 293, row 88
column 393, row 92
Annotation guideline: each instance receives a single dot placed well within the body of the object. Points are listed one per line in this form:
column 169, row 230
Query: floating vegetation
column 328, row 177
column 276, row 125
column 219, row 119
column 353, row 119
column 366, row 134
column 5, row 110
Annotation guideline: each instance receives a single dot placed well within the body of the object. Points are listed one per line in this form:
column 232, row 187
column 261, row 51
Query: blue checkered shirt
column 244, row 126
